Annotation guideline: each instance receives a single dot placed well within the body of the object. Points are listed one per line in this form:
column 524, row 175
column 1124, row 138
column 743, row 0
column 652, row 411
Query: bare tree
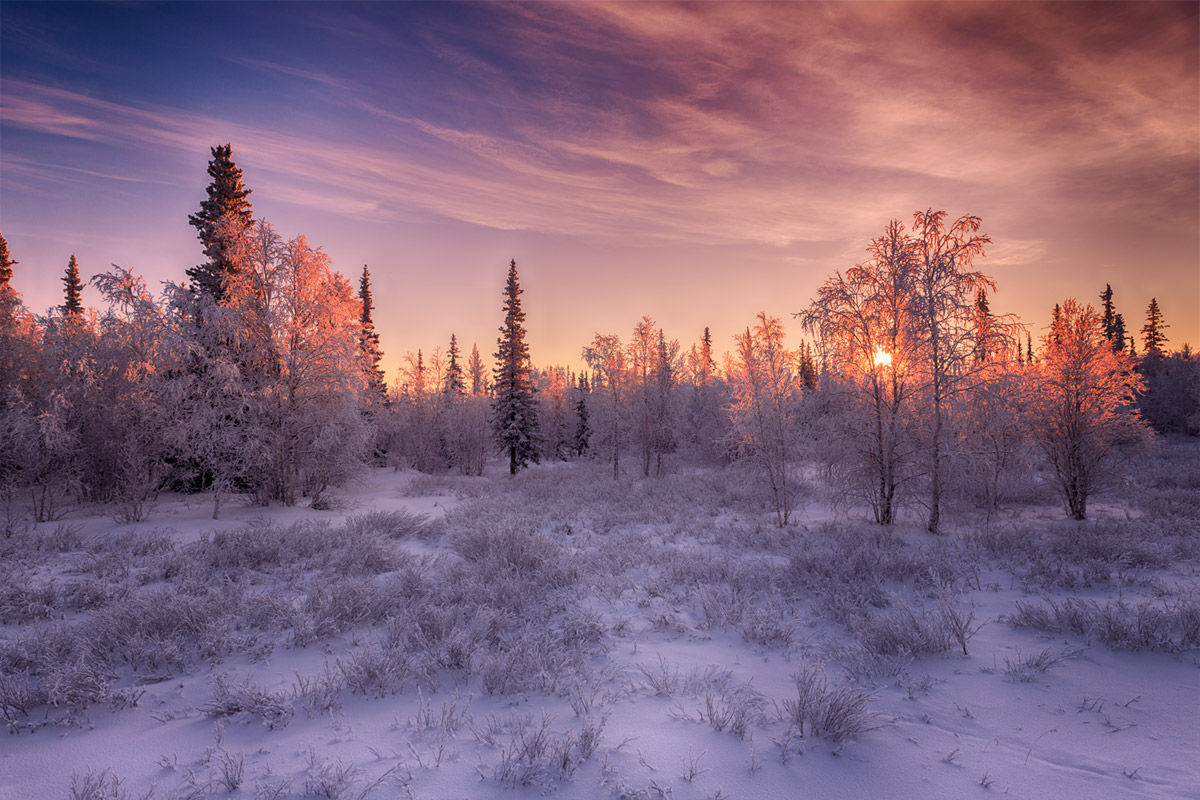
column 765, row 390
column 610, row 385
column 914, row 306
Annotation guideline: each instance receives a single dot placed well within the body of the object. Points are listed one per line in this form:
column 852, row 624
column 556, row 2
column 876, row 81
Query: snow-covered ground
column 560, row 633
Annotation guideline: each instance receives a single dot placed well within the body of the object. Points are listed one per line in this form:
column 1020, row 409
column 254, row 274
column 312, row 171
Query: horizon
column 624, row 156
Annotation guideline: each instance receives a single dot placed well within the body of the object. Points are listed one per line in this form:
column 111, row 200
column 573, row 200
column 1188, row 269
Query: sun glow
column 882, row 358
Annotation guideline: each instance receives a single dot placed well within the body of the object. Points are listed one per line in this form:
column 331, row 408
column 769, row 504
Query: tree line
column 260, row 376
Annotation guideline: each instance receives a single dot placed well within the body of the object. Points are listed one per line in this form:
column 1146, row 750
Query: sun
column 882, row 357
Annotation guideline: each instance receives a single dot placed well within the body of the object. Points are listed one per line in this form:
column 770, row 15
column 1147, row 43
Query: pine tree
column 475, row 370
column 1153, row 337
column 983, row 326
column 368, row 338
column 454, row 373
column 1118, row 337
column 1108, row 318
column 224, row 216
column 74, row 289
column 514, row 412
column 1056, row 326
column 1028, row 347
column 583, row 429
column 707, row 367
column 6, row 263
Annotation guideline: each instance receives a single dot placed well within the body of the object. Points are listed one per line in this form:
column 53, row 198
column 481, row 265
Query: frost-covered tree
column 514, row 408
column 224, row 216
column 606, row 357
column 476, row 373
column 1082, row 406
column 654, row 365
column 765, row 390
column 868, row 340
column 73, row 289
column 556, row 412
column 583, row 428
column 454, row 373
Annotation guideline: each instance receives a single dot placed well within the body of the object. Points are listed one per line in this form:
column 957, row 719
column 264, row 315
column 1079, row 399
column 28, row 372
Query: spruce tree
column 514, row 410
column 1153, row 337
column 454, row 373
column 475, row 370
column 1118, row 337
column 1028, row 347
column 73, row 303
column 224, row 216
column 368, row 338
column 6, row 263
column 583, row 429
column 1108, row 318
column 983, row 325
column 707, row 367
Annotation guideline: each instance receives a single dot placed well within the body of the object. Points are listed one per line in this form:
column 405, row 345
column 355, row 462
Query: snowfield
column 559, row 633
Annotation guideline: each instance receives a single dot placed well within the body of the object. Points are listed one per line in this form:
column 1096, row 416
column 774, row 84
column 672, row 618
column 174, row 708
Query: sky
column 697, row 163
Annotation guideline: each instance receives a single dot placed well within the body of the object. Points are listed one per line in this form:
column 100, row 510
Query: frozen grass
column 534, row 595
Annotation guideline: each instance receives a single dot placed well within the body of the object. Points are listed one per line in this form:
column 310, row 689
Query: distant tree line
column 260, row 376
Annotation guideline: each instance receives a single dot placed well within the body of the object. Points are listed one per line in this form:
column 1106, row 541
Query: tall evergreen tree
column 1118, row 337
column 454, row 372
column 514, row 411
column 583, row 428
column 73, row 303
column 476, row 371
column 6, row 263
column 707, row 366
column 1153, row 337
column 983, row 325
column 1108, row 316
column 222, row 217
column 368, row 338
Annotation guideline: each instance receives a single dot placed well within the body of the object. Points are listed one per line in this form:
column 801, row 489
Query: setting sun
column 882, row 358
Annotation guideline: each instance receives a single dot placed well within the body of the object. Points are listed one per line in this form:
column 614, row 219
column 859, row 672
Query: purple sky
column 697, row 163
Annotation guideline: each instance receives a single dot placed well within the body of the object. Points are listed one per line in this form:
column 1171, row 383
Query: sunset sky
column 696, row 163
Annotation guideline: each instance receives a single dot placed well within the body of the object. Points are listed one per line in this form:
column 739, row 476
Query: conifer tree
column 222, row 217
column 1118, row 337
column 707, row 366
column 982, row 325
column 454, row 373
column 1153, row 337
column 475, row 370
column 1108, row 316
column 583, row 429
column 6, row 263
column 73, row 303
column 514, row 412
column 368, row 338
column 1028, row 347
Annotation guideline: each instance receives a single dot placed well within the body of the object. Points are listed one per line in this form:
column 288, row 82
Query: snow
column 654, row 565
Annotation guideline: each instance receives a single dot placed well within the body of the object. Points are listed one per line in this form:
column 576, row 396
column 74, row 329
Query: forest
column 956, row 553
column 259, row 376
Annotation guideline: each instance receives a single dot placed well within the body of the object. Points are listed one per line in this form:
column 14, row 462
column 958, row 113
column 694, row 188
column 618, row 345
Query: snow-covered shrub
column 837, row 713
column 392, row 525
column 319, row 693
column 733, row 707
column 903, row 630
column 274, row 709
column 374, row 670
